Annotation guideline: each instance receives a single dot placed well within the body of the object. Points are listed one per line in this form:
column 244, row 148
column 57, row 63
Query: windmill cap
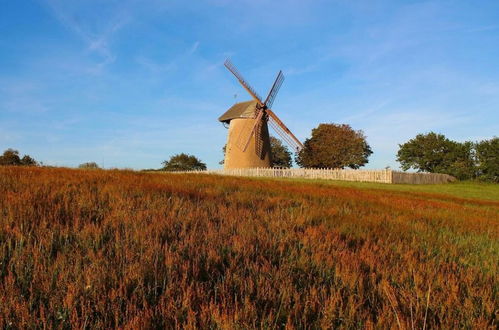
column 239, row 110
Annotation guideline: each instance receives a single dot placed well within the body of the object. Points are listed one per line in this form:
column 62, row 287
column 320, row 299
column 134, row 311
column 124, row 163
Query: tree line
column 435, row 153
column 340, row 146
column 10, row 157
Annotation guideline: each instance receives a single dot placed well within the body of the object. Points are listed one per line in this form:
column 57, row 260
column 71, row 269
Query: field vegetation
column 463, row 189
column 100, row 249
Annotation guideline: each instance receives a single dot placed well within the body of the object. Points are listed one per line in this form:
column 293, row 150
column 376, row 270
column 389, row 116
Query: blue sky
column 129, row 83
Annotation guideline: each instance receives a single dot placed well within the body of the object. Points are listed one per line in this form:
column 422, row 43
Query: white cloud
column 194, row 47
column 97, row 37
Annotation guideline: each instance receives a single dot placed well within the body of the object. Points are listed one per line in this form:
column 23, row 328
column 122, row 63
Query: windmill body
column 248, row 141
column 240, row 118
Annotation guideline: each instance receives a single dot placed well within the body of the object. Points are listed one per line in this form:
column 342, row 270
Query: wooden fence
column 421, row 178
column 380, row 176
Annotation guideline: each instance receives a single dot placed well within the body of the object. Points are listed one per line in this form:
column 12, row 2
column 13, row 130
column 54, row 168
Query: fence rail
column 380, row 176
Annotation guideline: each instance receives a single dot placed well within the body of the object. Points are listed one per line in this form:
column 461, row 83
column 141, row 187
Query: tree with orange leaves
column 334, row 146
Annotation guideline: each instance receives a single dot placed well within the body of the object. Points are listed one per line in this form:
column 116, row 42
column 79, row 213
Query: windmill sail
column 244, row 135
column 283, row 131
column 228, row 64
column 273, row 91
column 244, row 140
column 259, row 148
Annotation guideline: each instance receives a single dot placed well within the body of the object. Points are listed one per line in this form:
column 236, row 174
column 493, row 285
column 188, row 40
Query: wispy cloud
column 169, row 64
column 97, row 41
column 484, row 28
column 155, row 67
column 194, row 47
column 291, row 71
column 21, row 97
column 8, row 137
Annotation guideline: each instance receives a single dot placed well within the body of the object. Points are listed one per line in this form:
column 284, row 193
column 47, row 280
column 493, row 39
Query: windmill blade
column 245, row 139
column 228, row 64
column 284, row 136
column 283, row 131
column 245, row 133
column 273, row 91
column 258, row 139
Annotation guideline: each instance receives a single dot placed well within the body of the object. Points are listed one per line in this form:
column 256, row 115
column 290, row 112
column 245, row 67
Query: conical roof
column 239, row 110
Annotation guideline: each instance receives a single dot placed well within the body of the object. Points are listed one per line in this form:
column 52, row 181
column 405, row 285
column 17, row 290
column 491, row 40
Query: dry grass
column 115, row 248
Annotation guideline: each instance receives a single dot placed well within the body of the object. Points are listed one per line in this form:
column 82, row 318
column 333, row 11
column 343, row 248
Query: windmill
column 248, row 142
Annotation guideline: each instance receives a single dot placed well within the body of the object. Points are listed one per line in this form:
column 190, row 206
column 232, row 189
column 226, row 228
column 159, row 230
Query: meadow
column 464, row 189
column 100, row 249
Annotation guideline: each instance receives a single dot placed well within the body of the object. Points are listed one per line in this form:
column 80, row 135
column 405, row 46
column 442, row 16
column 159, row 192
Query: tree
column 487, row 155
column 281, row 156
column 28, row 161
column 10, row 157
column 89, row 166
column 425, row 153
column 183, row 162
column 334, row 146
column 435, row 153
column 463, row 163
column 224, row 149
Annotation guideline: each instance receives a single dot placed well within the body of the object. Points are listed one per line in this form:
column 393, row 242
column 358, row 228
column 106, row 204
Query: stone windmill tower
column 248, row 141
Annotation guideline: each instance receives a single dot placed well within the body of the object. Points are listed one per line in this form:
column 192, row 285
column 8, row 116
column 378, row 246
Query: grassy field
column 116, row 248
column 466, row 189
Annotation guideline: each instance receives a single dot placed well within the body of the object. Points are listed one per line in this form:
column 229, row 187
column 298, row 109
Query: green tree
column 89, row 166
column 28, row 161
column 281, row 156
column 463, row 164
column 183, row 162
column 435, row 153
column 10, row 157
column 487, row 155
column 224, row 149
column 334, row 146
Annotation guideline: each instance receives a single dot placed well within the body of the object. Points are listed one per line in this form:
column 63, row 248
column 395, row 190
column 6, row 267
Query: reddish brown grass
column 115, row 248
